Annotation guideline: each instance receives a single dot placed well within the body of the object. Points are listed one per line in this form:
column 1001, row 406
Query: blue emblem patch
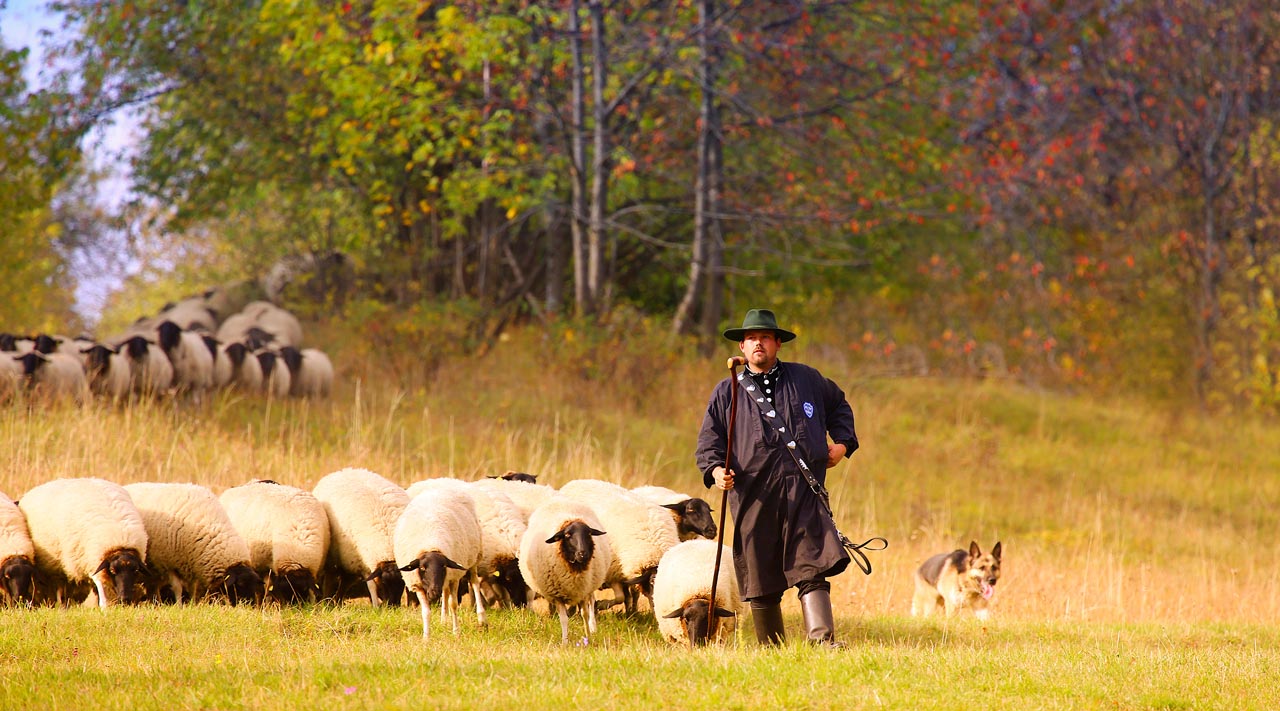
column 808, row 409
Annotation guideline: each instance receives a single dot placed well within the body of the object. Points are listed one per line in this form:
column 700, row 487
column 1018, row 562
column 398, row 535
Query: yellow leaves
column 511, row 214
column 319, row 111
column 425, row 207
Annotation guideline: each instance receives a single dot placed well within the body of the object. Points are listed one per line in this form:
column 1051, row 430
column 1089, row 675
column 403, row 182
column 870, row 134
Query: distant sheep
column 192, row 544
column 565, row 556
column 363, row 508
column 276, row 380
column 310, row 372
column 243, row 371
column 682, row 593
column 11, row 376
column 17, row 555
column 192, row 314
column 287, row 530
column 438, row 543
column 107, row 371
column 692, row 514
column 192, row 362
column 55, row 376
column 87, row 530
column 278, row 322
column 150, row 372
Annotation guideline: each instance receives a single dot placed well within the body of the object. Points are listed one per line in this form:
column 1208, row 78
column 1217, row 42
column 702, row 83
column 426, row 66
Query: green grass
column 1140, row 571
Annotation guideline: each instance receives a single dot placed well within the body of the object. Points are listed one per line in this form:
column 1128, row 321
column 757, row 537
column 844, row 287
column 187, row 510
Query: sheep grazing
column 310, row 372
column 287, row 530
column 275, row 375
column 55, row 376
column 192, row 545
column 692, row 514
column 150, row 372
column 437, row 542
column 107, row 371
column 565, row 556
column 87, row 531
column 639, row 530
column 363, row 508
column 682, row 594
column 17, row 556
column 192, row 362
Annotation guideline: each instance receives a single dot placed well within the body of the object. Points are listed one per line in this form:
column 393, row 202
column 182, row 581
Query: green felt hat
column 759, row 320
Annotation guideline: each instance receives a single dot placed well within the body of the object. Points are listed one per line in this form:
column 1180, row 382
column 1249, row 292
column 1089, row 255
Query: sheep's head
column 267, row 359
column 520, row 476
column 576, row 544
column 18, row 575
column 292, row 358
column 236, row 353
column 387, row 582
column 97, row 360
column 137, row 347
column 170, row 335
column 44, row 343
column 508, row 577
column 432, row 568
column 239, row 584
column 125, row 570
column 693, row 519
column 695, row 618
column 291, row 584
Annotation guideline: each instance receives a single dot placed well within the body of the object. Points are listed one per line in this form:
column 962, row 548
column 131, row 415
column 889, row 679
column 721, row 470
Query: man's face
column 760, row 349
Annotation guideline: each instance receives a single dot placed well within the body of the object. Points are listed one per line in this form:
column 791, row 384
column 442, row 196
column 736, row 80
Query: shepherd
column 784, row 535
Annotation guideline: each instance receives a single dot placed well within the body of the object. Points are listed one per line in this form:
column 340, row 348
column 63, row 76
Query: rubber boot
column 768, row 623
column 819, row 625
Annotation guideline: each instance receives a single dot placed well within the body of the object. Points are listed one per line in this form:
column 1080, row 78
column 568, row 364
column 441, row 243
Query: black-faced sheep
column 17, row 555
column 108, row 371
column 275, row 375
column 565, row 556
column 243, row 371
column 54, row 376
column 363, row 509
column 192, row 362
column 192, row 544
column 287, row 531
column 310, row 372
column 692, row 514
column 87, row 530
column 150, row 372
column 682, row 593
column 437, row 543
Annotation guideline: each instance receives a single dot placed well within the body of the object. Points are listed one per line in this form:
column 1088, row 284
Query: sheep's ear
column 674, row 615
column 101, row 567
column 450, row 564
column 674, row 507
column 556, row 538
column 414, row 565
column 594, row 532
column 721, row 612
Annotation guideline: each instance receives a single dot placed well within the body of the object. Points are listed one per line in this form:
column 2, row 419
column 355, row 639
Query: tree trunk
column 578, row 208
column 596, row 235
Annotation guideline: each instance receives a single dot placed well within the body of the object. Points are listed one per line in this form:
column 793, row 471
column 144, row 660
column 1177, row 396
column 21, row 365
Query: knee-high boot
column 768, row 623
column 819, row 624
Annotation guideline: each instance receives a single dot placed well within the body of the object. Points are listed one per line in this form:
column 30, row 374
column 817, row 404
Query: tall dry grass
column 1107, row 511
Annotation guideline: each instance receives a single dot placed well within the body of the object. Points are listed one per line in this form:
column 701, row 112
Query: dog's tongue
column 988, row 591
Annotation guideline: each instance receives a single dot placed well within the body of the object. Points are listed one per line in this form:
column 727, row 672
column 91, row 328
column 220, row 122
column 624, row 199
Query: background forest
column 1077, row 195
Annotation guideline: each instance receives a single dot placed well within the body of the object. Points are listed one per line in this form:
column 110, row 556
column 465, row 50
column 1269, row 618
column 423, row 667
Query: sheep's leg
column 176, row 583
column 563, row 609
column 590, row 609
column 102, row 593
column 449, row 603
column 475, row 592
column 373, row 593
column 425, row 608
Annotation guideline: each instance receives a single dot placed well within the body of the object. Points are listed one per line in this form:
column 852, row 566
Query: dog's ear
column 974, row 552
column 995, row 552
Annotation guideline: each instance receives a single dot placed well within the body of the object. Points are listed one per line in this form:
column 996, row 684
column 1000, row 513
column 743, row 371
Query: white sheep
column 682, row 593
column 275, row 375
column 438, row 542
column 287, row 530
column 17, row 555
column 276, row 321
column 363, row 509
column 191, row 314
column 192, row 544
column 107, row 371
column 564, row 557
column 501, row 527
column 640, row 532
column 190, row 356
column 87, row 530
column 11, row 376
column 55, row 376
column 692, row 514
column 237, row 368
column 310, row 372
column 525, row 495
column 150, row 372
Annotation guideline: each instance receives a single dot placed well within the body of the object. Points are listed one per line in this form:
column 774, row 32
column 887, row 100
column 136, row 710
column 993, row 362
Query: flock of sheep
column 189, row 348
column 505, row 541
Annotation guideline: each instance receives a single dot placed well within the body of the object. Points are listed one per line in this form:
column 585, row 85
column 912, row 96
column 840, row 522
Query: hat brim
column 737, row 334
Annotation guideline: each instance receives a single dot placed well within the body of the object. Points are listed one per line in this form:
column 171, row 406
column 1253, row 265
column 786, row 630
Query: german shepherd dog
column 957, row 580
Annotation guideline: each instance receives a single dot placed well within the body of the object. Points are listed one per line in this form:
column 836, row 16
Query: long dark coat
column 782, row 534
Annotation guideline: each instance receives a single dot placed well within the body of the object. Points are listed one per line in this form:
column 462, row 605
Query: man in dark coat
column 783, row 536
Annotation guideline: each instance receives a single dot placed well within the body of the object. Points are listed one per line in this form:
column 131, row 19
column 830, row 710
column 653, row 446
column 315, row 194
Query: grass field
column 1140, row 560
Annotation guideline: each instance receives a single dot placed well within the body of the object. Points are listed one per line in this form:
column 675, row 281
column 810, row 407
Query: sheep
column 192, row 544
column 275, row 375
column 11, row 376
column 107, row 371
column 276, row 321
column 437, row 543
column 150, row 372
column 287, row 530
column 310, row 372
column 191, row 314
column 87, row 530
column 682, row 593
column 641, row 532
column 192, row 362
column 235, row 329
column 564, row 557
column 501, row 527
column 511, row 475
column 363, row 508
column 17, row 555
column 692, row 514
column 526, row 496
column 55, row 375
column 243, row 370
